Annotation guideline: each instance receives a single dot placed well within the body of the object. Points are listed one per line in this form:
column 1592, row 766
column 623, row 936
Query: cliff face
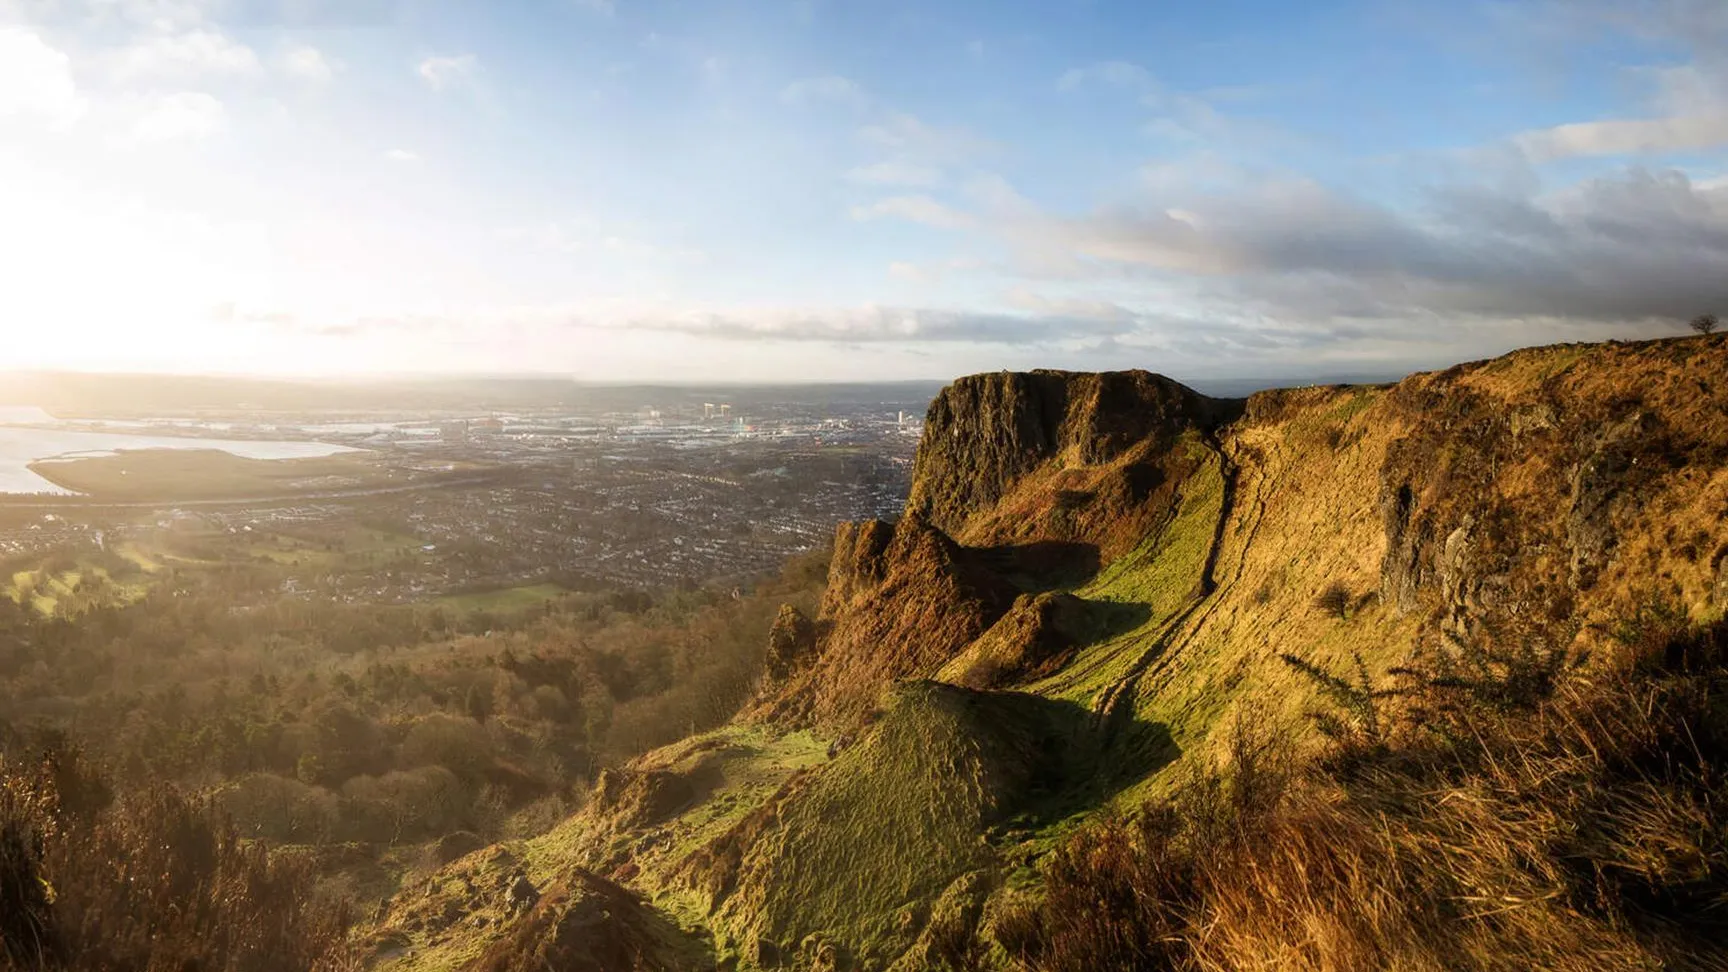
column 1053, row 455
column 902, row 599
column 1023, row 483
column 1096, row 574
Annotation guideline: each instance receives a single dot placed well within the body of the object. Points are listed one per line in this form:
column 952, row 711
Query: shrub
column 154, row 881
column 1334, row 600
column 279, row 809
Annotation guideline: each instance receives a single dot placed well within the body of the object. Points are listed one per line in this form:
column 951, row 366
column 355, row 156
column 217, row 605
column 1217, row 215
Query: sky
column 750, row 190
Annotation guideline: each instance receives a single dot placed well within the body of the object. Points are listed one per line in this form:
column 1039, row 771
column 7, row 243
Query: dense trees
column 301, row 721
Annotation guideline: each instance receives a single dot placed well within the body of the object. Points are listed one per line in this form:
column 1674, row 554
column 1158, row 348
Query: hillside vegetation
column 1417, row 676
column 1097, row 647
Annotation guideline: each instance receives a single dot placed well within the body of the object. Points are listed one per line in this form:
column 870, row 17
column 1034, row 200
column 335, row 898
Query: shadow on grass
column 1086, row 623
column 1047, row 565
column 1081, row 762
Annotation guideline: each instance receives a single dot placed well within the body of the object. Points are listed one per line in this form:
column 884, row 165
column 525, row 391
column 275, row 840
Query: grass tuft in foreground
column 1576, row 820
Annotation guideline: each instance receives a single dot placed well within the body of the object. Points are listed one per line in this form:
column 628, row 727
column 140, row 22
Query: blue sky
column 826, row 189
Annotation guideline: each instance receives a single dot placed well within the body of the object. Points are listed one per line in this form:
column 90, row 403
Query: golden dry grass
column 1584, row 830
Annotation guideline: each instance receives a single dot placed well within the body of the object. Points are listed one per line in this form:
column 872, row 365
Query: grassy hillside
column 1038, row 672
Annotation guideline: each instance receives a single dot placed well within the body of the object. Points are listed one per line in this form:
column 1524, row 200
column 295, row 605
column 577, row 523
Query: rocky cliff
column 1055, row 455
column 1096, row 573
column 1024, row 484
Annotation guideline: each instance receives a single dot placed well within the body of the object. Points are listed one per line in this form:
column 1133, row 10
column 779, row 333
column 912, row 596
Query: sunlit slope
column 1104, row 605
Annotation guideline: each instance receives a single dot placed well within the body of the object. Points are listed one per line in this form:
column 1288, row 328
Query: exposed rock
column 897, row 609
column 1601, row 478
column 523, row 894
column 1019, row 475
column 1401, row 569
column 791, row 643
column 986, row 433
column 858, row 563
column 1031, row 640
column 588, row 924
column 640, row 798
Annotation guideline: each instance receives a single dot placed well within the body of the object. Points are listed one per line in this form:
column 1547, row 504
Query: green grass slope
column 853, row 858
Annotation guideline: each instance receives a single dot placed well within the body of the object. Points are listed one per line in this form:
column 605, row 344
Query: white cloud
column 1631, row 246
column 1115, row 74
column 184, row 115
column 896, row 173
column 194, row 54
column 1686, row 104
column 442, row 72
column 923, row 273
column 913, row 209
column 910, row 135
column 307, row 64
column 1625, row 137
column 832, row 88
column 36, row 80
column 867, row 324
column 402, row 155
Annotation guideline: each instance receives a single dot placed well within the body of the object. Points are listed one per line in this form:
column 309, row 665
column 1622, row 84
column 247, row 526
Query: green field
column 72, row 591
column 207, row 474
column 507, row 600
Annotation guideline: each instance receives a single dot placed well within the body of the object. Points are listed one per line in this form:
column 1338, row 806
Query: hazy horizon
column 33, row 388
column 638, row 191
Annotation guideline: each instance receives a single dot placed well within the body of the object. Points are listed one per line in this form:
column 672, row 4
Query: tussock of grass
column 897, row 817
column 1583, row 830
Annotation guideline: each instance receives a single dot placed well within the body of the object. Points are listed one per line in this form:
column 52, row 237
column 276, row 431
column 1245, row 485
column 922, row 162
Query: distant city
column 684, row 487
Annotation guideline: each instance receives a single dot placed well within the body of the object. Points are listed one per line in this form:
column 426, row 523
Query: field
column 507, row 600
column 207, row 474
column 68, row 591
column 85, row 576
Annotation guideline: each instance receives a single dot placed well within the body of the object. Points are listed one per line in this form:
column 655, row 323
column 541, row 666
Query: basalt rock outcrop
column 1030, row 641
column 1054, row 455
column 1022, row 482
column 901, row 601
column 588, row 924
column 1505, row 501
column 792, row 643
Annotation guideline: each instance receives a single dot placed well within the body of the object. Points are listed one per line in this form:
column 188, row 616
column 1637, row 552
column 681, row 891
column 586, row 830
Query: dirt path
column 1115, row 705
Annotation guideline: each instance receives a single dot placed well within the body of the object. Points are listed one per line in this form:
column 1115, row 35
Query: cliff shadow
column 1045, row 565
column 1083, row 763
column 1090, row 623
